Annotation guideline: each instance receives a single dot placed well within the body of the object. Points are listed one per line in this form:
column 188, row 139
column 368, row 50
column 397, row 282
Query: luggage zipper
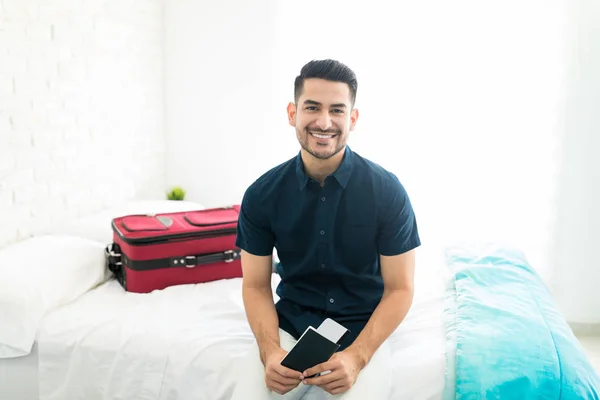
column 208, row 224
column 176, row 236
column 165, row 223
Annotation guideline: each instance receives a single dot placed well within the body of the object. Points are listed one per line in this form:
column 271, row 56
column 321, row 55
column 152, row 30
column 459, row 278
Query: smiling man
column 345, row 233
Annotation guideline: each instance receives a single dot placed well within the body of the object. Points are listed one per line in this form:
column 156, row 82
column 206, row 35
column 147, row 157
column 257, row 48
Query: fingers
column 278, row 387
column 280, row 384
column 285, row 381
column 336, row 376
column 338, row 385
column 330, row 365
column 336, row 388
column 324, row 379
column 287, row 373
column 281, row 380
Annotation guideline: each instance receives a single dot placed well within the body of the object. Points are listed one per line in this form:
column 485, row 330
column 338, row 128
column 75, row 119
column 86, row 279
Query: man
column 345, row 234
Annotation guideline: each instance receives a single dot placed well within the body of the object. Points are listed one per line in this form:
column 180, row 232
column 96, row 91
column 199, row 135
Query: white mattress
column 19, row 377
column 184, row 343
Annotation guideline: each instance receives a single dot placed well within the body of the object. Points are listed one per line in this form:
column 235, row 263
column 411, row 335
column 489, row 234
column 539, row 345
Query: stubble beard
column 303, row 135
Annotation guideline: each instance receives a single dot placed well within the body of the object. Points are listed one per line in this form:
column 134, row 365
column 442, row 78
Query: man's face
column 323, row 117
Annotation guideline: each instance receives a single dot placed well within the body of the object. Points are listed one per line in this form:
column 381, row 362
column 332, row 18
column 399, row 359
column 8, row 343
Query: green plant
column 176, row 193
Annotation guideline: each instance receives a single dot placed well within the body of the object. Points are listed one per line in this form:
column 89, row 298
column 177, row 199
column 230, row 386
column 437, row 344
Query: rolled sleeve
column 254, row 234
column 398, row 232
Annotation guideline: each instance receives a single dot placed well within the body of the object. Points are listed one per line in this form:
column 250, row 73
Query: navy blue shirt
column 328, row 238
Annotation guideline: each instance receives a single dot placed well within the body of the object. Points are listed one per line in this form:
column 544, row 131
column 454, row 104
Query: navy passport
column 315, row 346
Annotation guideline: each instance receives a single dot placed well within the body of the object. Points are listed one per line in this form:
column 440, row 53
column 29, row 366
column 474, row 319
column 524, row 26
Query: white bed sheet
column 184, row 343
column 19, row 377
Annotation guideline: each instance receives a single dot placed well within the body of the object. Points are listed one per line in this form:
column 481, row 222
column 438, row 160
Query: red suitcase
column 155, row 251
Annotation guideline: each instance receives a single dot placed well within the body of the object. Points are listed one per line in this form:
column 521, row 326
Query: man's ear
column 353, row 118
column 291, row 111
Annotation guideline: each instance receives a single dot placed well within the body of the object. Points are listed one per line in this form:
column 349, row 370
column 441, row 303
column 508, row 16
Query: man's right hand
column 262, row 316
column 278, row 378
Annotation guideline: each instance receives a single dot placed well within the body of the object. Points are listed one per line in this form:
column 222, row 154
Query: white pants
column 373, row 382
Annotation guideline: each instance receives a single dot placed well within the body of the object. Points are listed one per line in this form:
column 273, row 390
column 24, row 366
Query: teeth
column 322, row 136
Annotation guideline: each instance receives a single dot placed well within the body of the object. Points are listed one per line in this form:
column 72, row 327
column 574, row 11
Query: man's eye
column 311, row 108
column 338, row 110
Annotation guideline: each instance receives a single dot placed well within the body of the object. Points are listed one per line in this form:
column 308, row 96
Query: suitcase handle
column 114, row 262
column 112, row 253
column 194, row 261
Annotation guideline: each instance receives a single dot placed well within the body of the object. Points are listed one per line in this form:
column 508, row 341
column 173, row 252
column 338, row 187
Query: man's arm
column 262, row 317
column 397, row 239
column 256, row 240
column 398, row 278
column 258, row 302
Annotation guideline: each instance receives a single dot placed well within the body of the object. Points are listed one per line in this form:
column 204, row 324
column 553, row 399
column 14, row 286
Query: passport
column 315, row 346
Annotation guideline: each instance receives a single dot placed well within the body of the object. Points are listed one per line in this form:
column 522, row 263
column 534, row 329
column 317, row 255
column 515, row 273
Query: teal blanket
column 509, row 340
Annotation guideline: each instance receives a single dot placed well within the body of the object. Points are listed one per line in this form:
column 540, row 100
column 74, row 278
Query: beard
column 318, row 151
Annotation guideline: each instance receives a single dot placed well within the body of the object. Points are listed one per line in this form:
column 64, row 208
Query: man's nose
column 324, row 121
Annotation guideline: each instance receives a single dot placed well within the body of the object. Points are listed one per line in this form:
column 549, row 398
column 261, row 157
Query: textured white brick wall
column 81, row 109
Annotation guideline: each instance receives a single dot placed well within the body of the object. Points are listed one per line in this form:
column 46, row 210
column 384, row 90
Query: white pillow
column 98, row 226
column 39, row 275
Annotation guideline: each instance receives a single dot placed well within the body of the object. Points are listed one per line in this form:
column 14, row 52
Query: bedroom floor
column 592, row 347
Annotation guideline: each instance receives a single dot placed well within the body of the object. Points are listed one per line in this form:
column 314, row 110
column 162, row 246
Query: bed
column 184, row 343
column 19, row 377
column 86, row 338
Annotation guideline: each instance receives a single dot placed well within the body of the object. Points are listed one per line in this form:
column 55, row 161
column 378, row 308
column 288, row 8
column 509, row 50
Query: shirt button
column 331, row 300
column 323, row 198
column 322, row 232
column 322, row 265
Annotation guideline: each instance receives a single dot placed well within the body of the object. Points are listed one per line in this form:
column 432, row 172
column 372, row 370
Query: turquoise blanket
column 510, row 341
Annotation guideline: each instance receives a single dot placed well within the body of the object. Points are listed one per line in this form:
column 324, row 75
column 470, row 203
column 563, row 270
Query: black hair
column 330, row 70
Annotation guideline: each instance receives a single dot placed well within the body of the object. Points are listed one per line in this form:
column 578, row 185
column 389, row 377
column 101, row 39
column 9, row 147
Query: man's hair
column 330, row 70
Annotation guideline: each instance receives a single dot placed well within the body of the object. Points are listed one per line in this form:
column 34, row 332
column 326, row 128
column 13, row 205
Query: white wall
column 221, row 73
column 81, row 109
column 461, row 108
column 494, row 131
column 576, row 275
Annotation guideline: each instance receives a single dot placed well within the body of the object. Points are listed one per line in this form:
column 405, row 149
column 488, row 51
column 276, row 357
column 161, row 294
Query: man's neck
column 319, row 169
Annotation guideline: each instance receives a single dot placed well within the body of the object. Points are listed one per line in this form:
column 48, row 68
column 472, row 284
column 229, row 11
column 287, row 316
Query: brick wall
column 81, row 109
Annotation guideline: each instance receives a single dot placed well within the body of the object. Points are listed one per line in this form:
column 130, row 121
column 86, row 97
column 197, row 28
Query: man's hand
column 261, row 314
column 344, row 367
column 278, row 378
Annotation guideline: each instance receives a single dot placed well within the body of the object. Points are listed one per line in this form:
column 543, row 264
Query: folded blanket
column 509, row 339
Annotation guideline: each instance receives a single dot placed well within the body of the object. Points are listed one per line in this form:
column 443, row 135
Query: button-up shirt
column 328, row 238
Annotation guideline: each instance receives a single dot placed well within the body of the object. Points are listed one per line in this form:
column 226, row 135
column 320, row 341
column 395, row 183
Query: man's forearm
column 262, row 317
column 388, row 315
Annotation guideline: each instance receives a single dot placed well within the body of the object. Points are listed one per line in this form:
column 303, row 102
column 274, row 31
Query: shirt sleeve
column 254, row 234
column 398, row 232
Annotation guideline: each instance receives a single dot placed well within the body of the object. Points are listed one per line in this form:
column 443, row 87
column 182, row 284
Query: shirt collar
column 342, row 174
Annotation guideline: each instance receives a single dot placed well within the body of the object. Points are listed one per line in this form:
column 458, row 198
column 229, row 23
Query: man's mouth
column 321, row 135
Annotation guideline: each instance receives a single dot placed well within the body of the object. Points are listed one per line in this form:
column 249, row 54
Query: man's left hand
column 344, row 367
